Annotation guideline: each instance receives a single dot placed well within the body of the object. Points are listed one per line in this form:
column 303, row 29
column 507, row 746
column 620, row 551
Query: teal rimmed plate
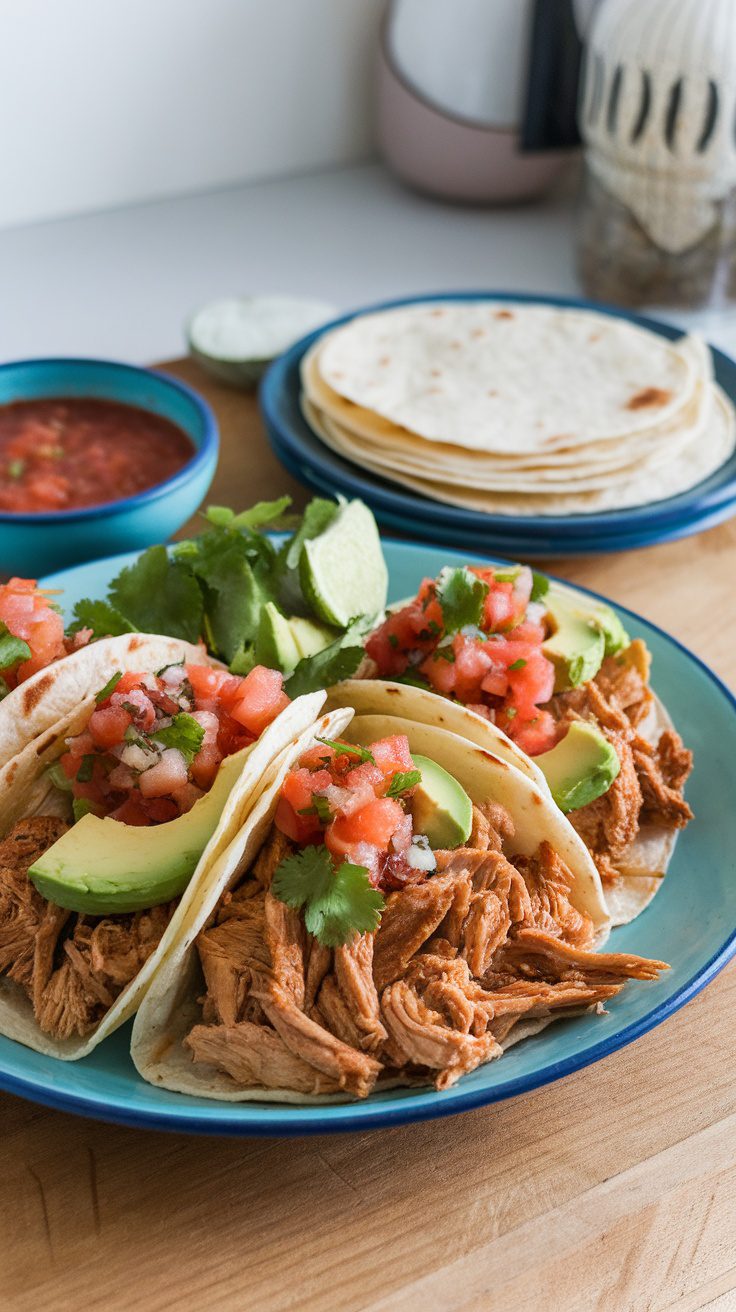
column 691, row 924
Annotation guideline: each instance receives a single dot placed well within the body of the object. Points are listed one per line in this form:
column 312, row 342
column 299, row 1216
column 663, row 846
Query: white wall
column 106, row 102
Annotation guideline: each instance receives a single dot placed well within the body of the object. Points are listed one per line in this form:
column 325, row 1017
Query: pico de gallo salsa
column 31, row 632
column 475, row 635
column 153, row 743
column 70, row 452
column 356, row 801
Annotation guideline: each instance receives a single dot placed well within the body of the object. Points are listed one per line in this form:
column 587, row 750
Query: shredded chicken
column 648, row 788
column 485, row 944
column 71, row 967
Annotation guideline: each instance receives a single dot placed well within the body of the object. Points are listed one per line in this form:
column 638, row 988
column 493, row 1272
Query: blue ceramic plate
column 313, row 463
column 691, row 923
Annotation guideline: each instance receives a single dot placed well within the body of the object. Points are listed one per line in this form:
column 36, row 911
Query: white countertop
column 122, row 283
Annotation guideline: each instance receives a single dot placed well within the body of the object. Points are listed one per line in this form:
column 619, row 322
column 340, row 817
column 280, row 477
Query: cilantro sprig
column 184, row 733
column 12, row 649
column 109, row 687
column 402, row 781
column 461, row 596
column 348, row 749
column 337, row 903
column 214, row 587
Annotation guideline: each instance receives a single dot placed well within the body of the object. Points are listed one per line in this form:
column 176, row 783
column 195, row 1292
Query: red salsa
column 68, row 452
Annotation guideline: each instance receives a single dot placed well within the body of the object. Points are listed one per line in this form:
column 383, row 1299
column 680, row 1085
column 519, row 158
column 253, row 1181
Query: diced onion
column 420, row 858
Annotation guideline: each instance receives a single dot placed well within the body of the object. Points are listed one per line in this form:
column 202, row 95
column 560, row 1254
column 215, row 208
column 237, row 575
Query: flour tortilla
column 170, row 1007
column 380, row 435
column 694, row 464
column 30, row 793
column 35, row 706
column 641, row 867
column 543, row 481
column 506, row 377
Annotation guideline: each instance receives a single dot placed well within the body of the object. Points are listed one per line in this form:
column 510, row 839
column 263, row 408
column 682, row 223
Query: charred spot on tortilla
column 649, row 396
column 492, row 392
column 536, row 799
column 135, row 642
column 393, row 692
column 45, row 741
column 33, row 692
column 489, row 756
column 436, row 313
column 435, row 373
column 504, row 314
column 384, row 361
column 11, row 771
column 478, row 332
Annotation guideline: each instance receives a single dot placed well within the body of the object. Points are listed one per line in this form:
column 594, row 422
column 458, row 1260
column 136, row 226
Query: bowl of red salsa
column 96, row 458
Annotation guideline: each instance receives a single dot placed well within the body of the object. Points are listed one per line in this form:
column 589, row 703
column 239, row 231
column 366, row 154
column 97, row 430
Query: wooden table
column 612, row 1189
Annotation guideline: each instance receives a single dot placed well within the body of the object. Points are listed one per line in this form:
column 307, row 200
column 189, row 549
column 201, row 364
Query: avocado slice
column 275, row 645
column 103, row 867
column 440, row 806
column 581, row 767
column 577, row 646
column 310, row 636
column 608, row 623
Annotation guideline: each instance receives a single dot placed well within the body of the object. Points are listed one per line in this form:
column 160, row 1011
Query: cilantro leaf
column 4, row 689
column 348, row 749
column 86, row 769
column 109, row 687
column 540, row 586
column 337, row 903
column 12, row 649
column 58, row 777
column 338, row 661
column 320, row 807
column 184, row 733
column 518, row 665
column 81, row 806
column 262, row 514
column 159, row 595
column 102, row 618
column 461, row 596
column 402, row 781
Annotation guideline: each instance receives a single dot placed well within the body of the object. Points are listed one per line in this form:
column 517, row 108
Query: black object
column 555, row 57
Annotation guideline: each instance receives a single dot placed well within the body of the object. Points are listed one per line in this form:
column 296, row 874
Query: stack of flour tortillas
column 519, row 409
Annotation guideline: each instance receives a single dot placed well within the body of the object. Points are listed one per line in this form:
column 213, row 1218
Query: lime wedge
column 342, row 572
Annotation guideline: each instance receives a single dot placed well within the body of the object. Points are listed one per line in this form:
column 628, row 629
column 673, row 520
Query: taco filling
column 535, row 659
column 149, row 753
column 392, row 930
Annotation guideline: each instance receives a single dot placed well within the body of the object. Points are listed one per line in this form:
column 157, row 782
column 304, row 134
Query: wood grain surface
column 613, row 1189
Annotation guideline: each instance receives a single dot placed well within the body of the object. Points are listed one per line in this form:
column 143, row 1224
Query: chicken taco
column 400, row 907
column 549, row 679
column 110, row 820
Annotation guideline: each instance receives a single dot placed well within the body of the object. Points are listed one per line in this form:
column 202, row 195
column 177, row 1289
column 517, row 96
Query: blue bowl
column 33, row 544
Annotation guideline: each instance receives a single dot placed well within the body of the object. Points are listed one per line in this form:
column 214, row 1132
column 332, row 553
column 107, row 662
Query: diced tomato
column 440, row 673
column 166, row 776
column 499, row 610
column 206, row 682
column 366, row 776
column 161, row 809
column 132, row 811
column 536, row 735
column 262, row 698
column 392, row 754
column 27, row 614
column 301, row 783
column 375, row 824
column 144, row 711
column 472, row 662
column 316, row 757
column 107, row 726
column 299, row 828
column 205, row 765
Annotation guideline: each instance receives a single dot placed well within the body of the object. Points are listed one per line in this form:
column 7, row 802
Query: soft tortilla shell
column 48, row 696
column 16, row 1013
column 505, row 377
column 170, row 1007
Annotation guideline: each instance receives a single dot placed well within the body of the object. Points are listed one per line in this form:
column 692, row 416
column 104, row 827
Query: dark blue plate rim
column 378, row 1116
column 281, row 383
column 489, row 539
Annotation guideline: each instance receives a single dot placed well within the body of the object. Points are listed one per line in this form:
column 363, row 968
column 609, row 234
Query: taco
column 542, row 672
column 110, row 820
column 400, row 907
